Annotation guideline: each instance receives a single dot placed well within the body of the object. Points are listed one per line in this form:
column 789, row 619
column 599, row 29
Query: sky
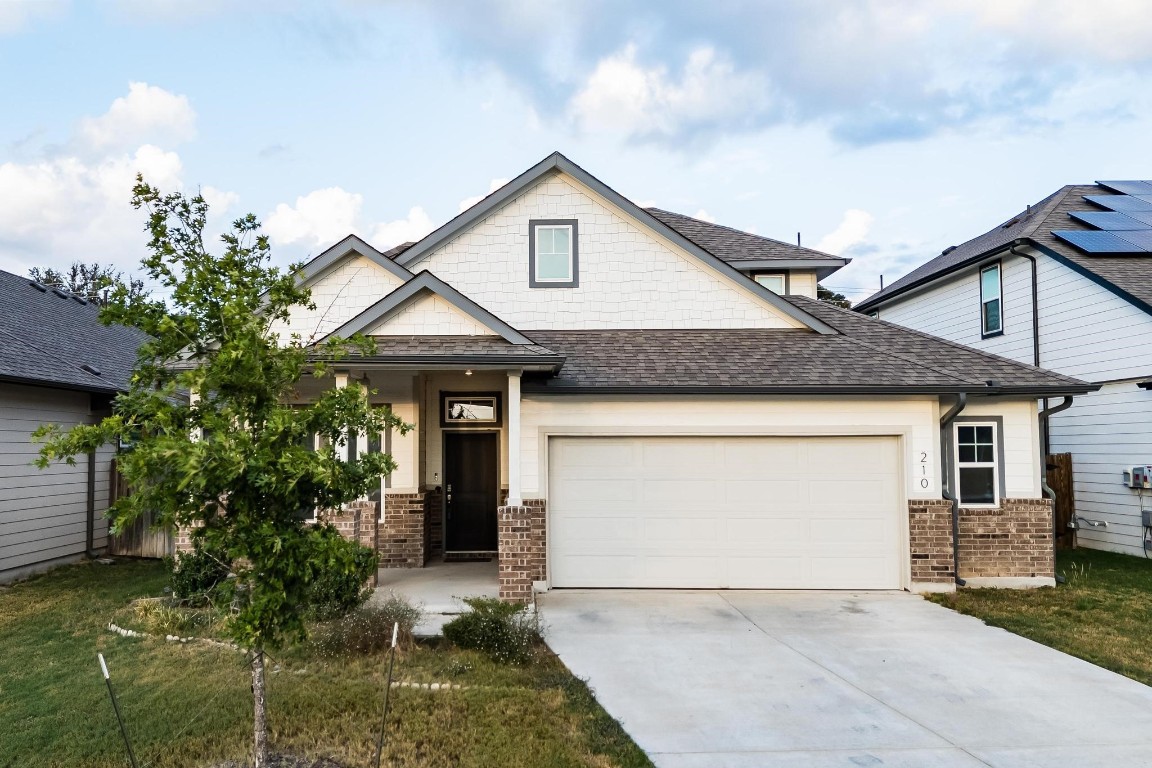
column 880, row 130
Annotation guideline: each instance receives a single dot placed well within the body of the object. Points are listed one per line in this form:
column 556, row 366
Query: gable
column 630, row 276
column 427, row 315
column 341, row 292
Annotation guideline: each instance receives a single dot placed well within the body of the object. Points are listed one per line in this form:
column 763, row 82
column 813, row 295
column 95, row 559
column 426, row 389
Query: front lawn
column 1103, row 614
column 190, row 705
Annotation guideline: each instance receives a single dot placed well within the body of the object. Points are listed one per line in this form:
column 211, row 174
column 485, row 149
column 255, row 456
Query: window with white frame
column 553, row 258
column 977, row 469
column 991, row 301
column 776, row 282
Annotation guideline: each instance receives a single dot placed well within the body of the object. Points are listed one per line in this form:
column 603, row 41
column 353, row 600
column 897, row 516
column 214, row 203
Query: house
column 611, row 396
column 1065, row 284
column 59, row 365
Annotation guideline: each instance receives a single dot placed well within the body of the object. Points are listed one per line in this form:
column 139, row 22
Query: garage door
column 714, row 512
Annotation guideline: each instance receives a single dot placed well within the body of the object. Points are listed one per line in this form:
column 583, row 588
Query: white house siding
column 44, row 513
column 628, row 277
column 802, row 283
column 916, row 419
column 339, row 294
column 429, row 315
column 1088, row 332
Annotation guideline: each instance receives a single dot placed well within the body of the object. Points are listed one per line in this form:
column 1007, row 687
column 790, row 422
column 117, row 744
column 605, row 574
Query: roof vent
column 990, row 383
column 79, row 299
column 38, row 286
column 947, row 250
column 1012, row 223
column 90, row 369
column 61, row 293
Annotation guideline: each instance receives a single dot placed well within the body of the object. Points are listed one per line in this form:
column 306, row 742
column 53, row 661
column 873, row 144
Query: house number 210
column 923, row 469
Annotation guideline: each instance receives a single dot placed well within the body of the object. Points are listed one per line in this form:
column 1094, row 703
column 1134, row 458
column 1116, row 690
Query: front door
column 470, row 483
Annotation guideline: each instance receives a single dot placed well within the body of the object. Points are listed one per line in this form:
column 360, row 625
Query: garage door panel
column 784, row 513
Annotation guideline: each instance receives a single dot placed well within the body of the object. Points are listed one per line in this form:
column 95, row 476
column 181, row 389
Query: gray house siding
column 44, row 513
column 1086, row 331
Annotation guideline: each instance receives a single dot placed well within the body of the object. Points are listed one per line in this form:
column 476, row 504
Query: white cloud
column 410, row 229
column 623, row 96
column 703, row 215
column 147, row 113
column 853, row 229
column 321, row 217
column 1113, row 30
column 15, row 14
column 468, row 202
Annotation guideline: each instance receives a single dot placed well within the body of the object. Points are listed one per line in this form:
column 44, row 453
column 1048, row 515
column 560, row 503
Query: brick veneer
column 523, row 549
column 1013, row 540
column 401, row 535
column 930, row 540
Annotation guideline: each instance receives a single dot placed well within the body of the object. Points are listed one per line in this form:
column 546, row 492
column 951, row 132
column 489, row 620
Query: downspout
column 1045, row 436
column 945, row 422
column 1044, row 414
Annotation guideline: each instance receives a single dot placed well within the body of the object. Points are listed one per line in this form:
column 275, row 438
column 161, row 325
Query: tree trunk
column 259, row 719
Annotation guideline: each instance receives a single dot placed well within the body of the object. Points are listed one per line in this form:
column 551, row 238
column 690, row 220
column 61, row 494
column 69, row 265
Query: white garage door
column 714, row 512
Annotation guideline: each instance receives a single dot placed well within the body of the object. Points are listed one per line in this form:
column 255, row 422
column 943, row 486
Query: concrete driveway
column 814, row 679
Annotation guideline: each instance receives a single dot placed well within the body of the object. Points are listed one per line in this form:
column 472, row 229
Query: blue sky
column 883, row 130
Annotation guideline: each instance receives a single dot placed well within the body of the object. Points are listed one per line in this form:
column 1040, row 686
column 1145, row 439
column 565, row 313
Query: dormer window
column 777, row 282
column 553, row 253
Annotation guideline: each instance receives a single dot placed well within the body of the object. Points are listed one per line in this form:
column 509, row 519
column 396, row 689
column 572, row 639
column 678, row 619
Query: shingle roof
column 483, row 348
column 1131, row 275
column 734, row 246
column 46, row 337
column 867, row 357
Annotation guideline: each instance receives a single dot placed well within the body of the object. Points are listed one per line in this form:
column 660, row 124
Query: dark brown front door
column 470, row 482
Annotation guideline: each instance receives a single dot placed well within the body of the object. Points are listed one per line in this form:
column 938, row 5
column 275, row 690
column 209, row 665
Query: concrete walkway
column 438, row 587
column 737, row 679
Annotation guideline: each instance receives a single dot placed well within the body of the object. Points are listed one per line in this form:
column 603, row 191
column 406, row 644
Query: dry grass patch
column 1103, row 614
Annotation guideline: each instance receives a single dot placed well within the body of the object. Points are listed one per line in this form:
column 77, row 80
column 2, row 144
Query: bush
column 505, row 632
column 194, row 575
column 335, row 591
column 369, row 629
column 160, row 616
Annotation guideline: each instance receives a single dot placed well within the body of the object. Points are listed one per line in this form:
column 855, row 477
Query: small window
column 991, row 311
column 776, row 282
column 553, row 254
column 976, row 465
column 874, row 314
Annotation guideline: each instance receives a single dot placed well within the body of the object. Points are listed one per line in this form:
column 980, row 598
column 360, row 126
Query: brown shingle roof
column 734, row 246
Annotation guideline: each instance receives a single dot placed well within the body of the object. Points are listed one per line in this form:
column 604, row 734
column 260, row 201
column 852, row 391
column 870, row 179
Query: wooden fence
column 140, row 539
column 1059, row 478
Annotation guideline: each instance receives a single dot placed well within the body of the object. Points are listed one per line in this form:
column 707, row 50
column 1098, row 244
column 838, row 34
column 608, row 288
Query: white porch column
column 341, row 382
column 514, row 499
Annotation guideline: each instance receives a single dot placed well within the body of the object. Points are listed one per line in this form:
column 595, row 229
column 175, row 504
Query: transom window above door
column 553, row 258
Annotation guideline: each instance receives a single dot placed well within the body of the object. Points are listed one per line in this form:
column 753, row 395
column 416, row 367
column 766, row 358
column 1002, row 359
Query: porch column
column 514, row 498
column 342, row 379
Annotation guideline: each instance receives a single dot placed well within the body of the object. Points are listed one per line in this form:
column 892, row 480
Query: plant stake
column 116, row 708
column 387, row 691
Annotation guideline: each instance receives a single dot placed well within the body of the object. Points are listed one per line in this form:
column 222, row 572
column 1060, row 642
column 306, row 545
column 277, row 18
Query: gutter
column 1044, row 414
column 946, row 421
column 796, row 389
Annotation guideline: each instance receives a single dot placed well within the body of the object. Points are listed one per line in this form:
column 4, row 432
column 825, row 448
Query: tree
column 95, row 282
column 231, row 464
column 831, row 297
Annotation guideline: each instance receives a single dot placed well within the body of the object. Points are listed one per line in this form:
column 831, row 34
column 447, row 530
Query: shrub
column 194, row 575
column 505, row 632
column 369, row 629
column 164, row 617
column 335, row 592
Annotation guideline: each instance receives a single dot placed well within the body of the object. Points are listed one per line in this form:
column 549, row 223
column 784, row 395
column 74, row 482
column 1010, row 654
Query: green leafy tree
column 833, row 298
column 234, row 463
column 95, row 282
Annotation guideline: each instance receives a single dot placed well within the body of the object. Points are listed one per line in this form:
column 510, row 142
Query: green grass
column 190, row 705
column 1103, row 614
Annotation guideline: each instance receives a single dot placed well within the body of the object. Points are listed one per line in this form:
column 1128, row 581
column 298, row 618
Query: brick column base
column 400, row 538
column 930, row 541
column 523, row 549
column 1012, row 541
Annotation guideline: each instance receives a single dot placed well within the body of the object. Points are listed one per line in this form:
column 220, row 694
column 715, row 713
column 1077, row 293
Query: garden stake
column 116, row 708
column 387, row 691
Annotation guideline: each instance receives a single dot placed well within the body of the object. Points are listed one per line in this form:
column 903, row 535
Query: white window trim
column 984, row 300
column 994, row 464
column 783, row 281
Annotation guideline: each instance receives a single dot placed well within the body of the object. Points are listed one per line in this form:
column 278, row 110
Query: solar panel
column 1142, row 216
column 1122, row 203
column 1129, row 187
column 1109, row 220
column 1098, row 242
column 1143, row 238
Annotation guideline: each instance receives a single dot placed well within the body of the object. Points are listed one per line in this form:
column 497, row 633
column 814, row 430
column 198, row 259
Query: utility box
column 1146, row 514
column 1138, row 477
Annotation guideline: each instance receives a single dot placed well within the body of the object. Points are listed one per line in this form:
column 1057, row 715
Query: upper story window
column 977, row 465
column 777, row 282
column 553, row 253
column 991, row 301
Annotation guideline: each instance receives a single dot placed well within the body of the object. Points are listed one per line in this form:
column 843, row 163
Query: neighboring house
column 1066, row 284
column 606, row 396
column 58, row 364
